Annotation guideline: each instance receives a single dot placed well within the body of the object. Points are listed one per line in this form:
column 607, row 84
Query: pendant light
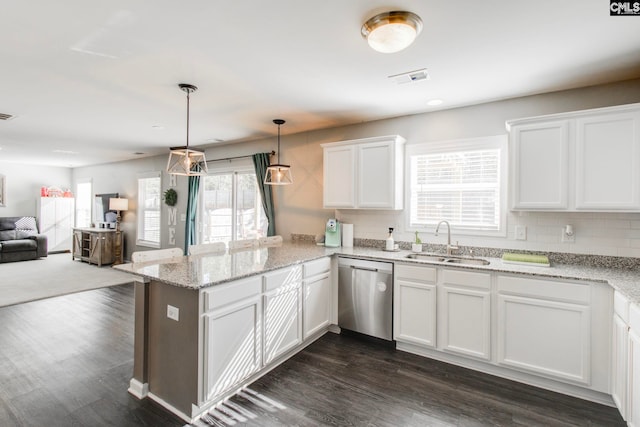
column 391, row 32
column 184, row 160
column 278, row 174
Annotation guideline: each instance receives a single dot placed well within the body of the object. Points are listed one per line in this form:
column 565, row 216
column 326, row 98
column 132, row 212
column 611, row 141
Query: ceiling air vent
column 4, row 116
column 411, row 76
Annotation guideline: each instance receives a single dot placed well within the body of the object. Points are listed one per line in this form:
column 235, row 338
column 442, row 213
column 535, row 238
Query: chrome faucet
column 450, row 248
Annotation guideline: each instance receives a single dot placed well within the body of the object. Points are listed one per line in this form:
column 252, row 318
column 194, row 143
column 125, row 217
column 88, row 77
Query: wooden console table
column 99, row 246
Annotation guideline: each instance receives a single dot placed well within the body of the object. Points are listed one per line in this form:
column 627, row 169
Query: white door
column 64, row 223
column 546, row 337
column 633, row 402
column 282, row 320
column 339, row 177
column 540, row 165
column 376, row 178
column 608, row 162
column 232, row 346
column 619, row 371
column 464, row 322
column 316, row 304
column 415, row 313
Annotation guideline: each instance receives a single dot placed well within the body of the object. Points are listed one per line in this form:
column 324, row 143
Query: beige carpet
column 52, row 276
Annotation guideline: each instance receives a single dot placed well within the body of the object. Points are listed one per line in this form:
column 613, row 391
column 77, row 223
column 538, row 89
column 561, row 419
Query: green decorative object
column 418, row 241
column 170, row 197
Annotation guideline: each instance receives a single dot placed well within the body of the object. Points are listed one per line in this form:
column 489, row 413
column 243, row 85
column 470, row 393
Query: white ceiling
column 94, row 77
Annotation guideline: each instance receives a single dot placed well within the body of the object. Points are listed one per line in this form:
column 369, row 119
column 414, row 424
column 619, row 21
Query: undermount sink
column 449, row 260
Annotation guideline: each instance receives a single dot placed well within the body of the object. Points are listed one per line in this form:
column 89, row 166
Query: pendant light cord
column 188, row 95
column 278, row 144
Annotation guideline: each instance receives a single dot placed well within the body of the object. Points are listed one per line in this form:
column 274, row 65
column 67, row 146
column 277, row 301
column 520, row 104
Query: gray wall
column 23, row 184
column 299, row 206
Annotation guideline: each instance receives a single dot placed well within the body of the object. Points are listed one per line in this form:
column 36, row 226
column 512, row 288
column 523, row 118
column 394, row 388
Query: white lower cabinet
column 545, row 327
column 282, row 312
column 252, row 323
column 620, row 353
column 414, row 319
column 316, row 294
column 464, row 313
column 633, row 402
column 232, row 332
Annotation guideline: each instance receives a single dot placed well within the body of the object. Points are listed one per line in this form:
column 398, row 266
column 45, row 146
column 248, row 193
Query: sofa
column 20, row 239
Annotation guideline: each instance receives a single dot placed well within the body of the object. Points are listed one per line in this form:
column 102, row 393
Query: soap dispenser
column 390, row 244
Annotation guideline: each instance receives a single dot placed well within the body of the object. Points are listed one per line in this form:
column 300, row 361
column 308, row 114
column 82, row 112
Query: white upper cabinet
column 364, row 173
column 579, row 161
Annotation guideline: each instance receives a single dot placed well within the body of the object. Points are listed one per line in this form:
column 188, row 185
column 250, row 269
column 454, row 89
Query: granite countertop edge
column 626, row 281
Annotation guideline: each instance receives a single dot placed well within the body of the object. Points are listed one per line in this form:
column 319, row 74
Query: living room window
column 231, row 206
column 462, row 182
column 149, row 194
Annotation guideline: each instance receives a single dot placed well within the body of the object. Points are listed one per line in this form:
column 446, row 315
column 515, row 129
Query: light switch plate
column 173, row 312
column 568, row 239
column 521, row 232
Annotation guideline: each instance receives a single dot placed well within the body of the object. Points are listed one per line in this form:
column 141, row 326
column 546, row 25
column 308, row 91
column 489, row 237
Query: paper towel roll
column 347, row 235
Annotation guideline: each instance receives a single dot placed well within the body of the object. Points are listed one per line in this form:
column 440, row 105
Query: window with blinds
column 458, row 182
column 149, row 195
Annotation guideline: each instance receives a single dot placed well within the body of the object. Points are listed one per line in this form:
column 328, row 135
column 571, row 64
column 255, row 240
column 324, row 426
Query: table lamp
column 118, row 205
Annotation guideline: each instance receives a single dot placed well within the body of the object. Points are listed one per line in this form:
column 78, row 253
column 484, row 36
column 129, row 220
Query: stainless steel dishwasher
column 365, row 297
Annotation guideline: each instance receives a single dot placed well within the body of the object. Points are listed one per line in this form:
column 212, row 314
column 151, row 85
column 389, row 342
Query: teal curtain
column 192, row 208
column 261, row 163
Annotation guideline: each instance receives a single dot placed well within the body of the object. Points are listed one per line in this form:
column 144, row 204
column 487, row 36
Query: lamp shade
column 278, row 175
column 187, row 162
column 391, row 32
column 117, row 204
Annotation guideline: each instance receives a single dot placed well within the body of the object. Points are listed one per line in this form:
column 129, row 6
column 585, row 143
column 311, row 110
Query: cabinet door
column 232, row 346
column 619, row 369
column 633, row 402
column 540, row 165
column 64, row 224
column 464, row 322
column 339, row 177
column 316, row 304
column 415, row 313
column 546, row 337
column 282, row 320
column 376, row 176
column 608, row 162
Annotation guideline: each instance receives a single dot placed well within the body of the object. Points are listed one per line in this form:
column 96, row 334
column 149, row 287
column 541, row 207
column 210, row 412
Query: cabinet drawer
column 466, row 278
column 621, row 306
column 413, row 272
column 225, row 294
column 546, row 289
column 318, row 266
column 285, row 276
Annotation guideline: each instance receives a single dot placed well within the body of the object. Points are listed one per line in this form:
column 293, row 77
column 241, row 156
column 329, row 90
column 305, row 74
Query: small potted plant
column 417, row 245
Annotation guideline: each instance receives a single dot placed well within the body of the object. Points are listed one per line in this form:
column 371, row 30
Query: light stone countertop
column 200, row 271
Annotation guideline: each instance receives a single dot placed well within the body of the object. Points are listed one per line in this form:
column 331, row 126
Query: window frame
column 499, row 142
column 233, row 168
column 140, row 213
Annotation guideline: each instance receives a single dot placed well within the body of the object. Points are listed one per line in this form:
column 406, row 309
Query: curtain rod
column 236, row 157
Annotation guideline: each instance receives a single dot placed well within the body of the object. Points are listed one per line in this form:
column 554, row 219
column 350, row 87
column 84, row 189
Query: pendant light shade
column 278, row 174
column 391, row 32
column 186, row 161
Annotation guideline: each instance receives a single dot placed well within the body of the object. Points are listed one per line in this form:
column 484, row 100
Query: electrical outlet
column 568, row 238
column 183, row 217
column 521, row 232
column 173, row 312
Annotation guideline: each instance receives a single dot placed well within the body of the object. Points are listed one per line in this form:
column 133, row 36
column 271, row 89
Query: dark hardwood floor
column 67, row 361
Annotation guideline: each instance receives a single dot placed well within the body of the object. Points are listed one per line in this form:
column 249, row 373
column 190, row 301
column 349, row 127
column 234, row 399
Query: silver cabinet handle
column 364, row 268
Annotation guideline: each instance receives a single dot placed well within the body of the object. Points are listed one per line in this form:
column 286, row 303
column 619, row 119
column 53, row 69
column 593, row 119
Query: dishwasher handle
column 375, row 270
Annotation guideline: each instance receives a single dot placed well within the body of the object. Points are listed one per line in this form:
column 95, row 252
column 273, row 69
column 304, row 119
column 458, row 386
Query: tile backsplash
column 610, row 234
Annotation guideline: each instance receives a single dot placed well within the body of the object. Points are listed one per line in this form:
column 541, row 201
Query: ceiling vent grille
column 4, row 116
column 410, row 77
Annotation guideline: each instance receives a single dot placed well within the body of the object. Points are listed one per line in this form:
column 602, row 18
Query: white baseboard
column 138, row 389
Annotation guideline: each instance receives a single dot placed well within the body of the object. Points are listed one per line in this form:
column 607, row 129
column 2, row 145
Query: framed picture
column 3, row 191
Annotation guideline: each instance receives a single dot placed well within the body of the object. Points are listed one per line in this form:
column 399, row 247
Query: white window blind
column 462, row 185
column 149, row 189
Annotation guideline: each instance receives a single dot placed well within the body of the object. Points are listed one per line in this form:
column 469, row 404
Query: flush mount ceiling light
column 391, row 32
column 278, row 174
column 184, row 160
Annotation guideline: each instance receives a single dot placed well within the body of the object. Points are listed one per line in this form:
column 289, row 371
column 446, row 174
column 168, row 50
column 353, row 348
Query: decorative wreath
column 170, row 197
